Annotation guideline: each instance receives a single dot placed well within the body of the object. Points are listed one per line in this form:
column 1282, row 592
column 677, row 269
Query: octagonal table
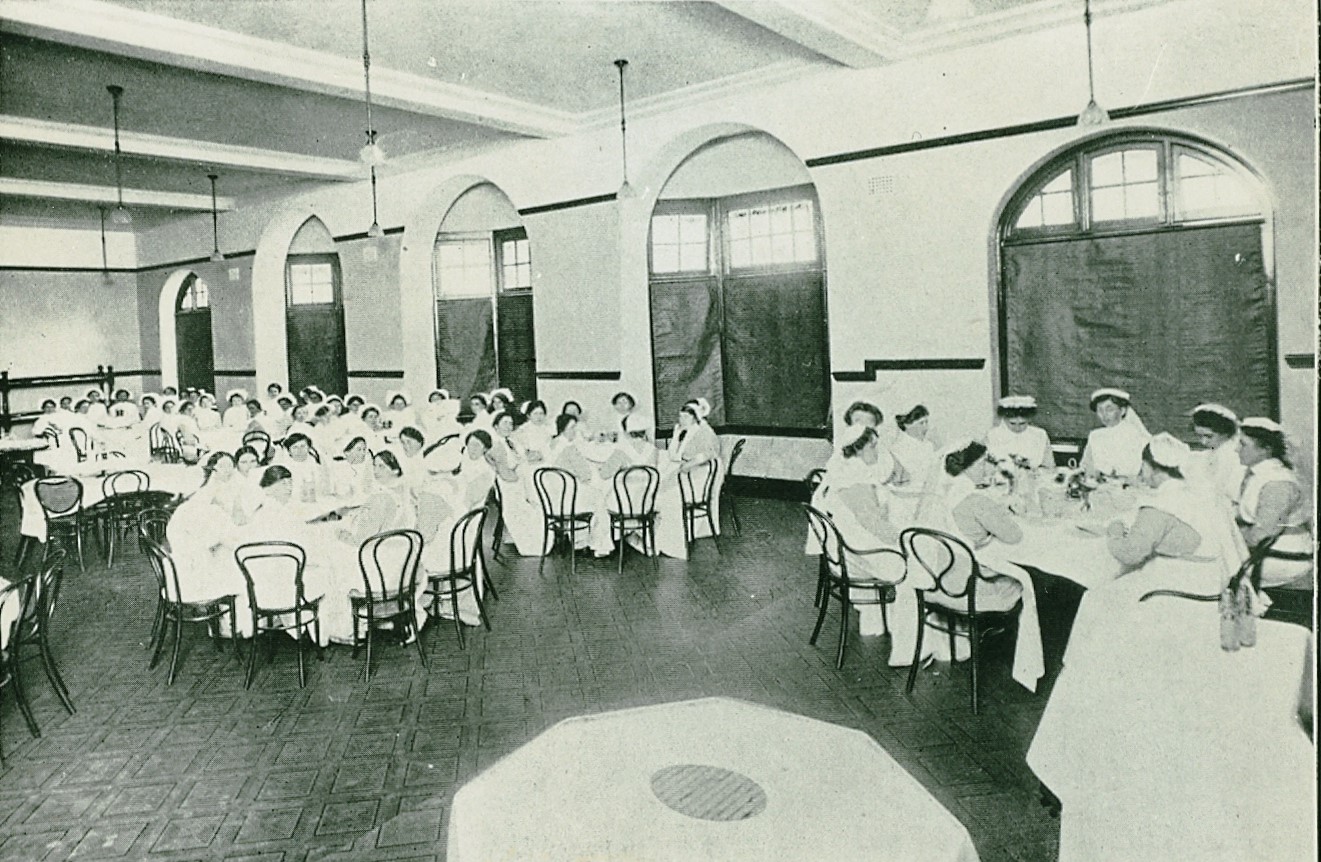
column 702, row 779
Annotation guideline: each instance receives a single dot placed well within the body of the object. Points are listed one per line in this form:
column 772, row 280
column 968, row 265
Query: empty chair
column 61, row 499
column 558, row 491
column 152, row 524
column 260, row 442
column 164, row 448
column 955, row 577
column 727, row 502
column 835, row 582
column 466, row 565
column 82, row 444
column 274, row 574
column 389, row 563
column 174, row 610
column 25, row 610
column 634, row 509
column 118, row 512
column 695, row 493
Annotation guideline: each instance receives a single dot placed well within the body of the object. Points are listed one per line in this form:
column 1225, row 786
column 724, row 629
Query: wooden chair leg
column 160, row 642
column 844, row 606
column 972, row 641
column 820, row 621
column 53, row 673
column 174, row 652
column 917, row 650
column 302, row 665
column 20, row 693
column 454, row 607
column 370, row 627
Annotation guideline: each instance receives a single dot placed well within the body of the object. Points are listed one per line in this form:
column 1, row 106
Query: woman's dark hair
column 368, row 408
column 632, row 402
column 691, row 410
column 211, row 463
column 1271, row 441
column 1015, row 412
column 49, row 402
column 481, row 437
column 253, row 404
column 917, row 414
column 271, row 475
column 564, row 420
column 851, row 450
column 388, row 459
column 477, row 396
column 323, row 410
column 1169, row 471
column 498, row 396
column 354, row 442
column 534, row 405
column 246, row 450
column 294, row 439
column 186, row 407
column 358, row 399
column 145, row 398
column 413, row 434
column 1214, row 422
column 1113, row 399
column 565, row 408
column 863, row 407
column 957, row 462
column 514, row 416
column 82, row 402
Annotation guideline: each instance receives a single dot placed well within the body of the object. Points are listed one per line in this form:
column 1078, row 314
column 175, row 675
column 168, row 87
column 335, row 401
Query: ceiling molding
column 100, row 26
column 42, row 189
column 100, row 140
column 842, row 30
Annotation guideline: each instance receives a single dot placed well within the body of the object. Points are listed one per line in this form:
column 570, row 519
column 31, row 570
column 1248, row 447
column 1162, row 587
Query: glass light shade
column 1093, row 115
column 375, row 231
column 217, row 256
column 625, row 192
column 372, row 154
column 121, row 216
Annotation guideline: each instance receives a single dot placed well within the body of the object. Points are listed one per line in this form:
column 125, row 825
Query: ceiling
column 268, row 94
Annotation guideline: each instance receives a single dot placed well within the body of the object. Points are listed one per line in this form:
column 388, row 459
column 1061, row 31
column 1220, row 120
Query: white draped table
column 701, row 779
column 176, row 479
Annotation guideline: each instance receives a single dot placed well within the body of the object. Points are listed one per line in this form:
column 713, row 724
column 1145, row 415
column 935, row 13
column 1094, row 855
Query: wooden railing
column 103, row 378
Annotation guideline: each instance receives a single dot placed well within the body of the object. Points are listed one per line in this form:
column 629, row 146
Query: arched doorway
column 736, row 274
column 193, row 344
column 314, row 311
column 1140, row 260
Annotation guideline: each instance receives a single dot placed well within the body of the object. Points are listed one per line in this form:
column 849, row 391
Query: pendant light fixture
column 121, row 215
column 105, row 257
column 374, row 231
column 625, row 190
column 371, row 153
column 216, row 256
column 1093, row 114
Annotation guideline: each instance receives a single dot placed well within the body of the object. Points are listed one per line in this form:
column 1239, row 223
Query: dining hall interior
column 749, row 429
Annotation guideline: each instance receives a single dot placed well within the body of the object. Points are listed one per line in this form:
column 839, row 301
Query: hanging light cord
column 115, row 93
column 1087, row 20
column 367, row 76
column 375, row 222
column 215, row 216
column 105, row 258
column 623, row 124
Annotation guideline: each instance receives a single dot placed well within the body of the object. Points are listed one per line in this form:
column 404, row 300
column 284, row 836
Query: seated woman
column 914, row 454
column 960, row 505
column 236, row 416
column 1273, row 504
column 1217, row 465
column 501, row 400
column 188, row 434
column 1114, row 449
column 1177, row 541
column 445, row 500
column 692, row 447
column 307, row 478
column 440, row 418
column 595, row 491
column 398, row 413
column 389, row 505
column 408, row 451
column 628, row 421
column 248, row 496
column 863, row 414
column 207, row 417
column 222, row 484
column 49, row 422
column 537, row 432
column 478, row 418
column 1015, row 437
column 859, row 504
column 522, row 508
column 198, row 532
column 352, row 475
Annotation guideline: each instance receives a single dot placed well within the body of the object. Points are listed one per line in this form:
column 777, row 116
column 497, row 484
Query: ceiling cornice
column 101, row 26
column 42, row 189
column 842, row 30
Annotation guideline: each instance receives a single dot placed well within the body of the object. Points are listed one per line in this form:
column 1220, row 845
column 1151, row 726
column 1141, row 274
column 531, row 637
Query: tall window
column 484, row 323
column 1137, row 261
column 738, row 310
column 312, row 282
column 314, row 323
column 193, row 294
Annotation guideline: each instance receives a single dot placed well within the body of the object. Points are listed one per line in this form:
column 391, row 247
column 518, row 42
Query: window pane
column 463, row 268
column 781, row 220
column 1062, row 183
column 665, row 229
column 692, row 257
column 1142, row 201
column 805, row 246
column 1051, row 206
column 1108, row 204
column 740, row 253
column 665, row 258
column 1206, row 189
column 738, row 225
column 692, row 228
column 760, row 222
column 201, row 294
column 761, row 249
column 782, row 248
column 1140, row 166
column 1108, row 170
column 1057, row 208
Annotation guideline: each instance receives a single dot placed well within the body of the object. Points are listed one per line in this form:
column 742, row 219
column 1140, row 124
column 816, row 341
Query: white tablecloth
column 174, row 478
column 11, row 445
column 584, row 790
column 1167, row 747
column 8, row 612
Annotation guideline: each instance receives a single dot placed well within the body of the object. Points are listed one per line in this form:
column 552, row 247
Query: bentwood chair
column 25, row 611
column 727, row 499
column 835, row 582
column 813, row 480
column 260, row 442
column 496, row 502
column 274, row 574
column 124, row 497
column 163, row 445
column 558, row 491
column 152, row 524
column 82, row 444
column 466, row 565
column 634, row 512
column 174, row 611
column 388, row 562
column 61, row 499
column 15, row 478
column 15, row 599
column 951, row 599
column 695, row 494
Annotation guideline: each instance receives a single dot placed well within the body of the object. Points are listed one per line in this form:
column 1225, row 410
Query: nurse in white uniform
column 1016, row 438
column 1115, row 449
column 1272, row 503
column 1216, row 465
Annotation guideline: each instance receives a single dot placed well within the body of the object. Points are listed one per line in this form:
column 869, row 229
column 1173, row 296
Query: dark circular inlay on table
column 708, row 792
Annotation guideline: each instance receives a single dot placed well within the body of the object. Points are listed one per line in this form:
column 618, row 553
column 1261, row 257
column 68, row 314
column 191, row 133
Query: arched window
column 1137, row 261
column 194, row 348
column 193, row 294
column 314, row 311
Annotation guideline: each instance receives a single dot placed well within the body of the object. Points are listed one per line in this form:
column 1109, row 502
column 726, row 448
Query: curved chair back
column 52, row 438
column 163, row 445
column 274, row 574
column 734, row 453
column 441, row 442
column 813, row 480
column 829, row 540
column 1250, row 568
column 260, row 442
column 152, row 524
column 162, row 566
column 695, row 485
column 59, row 496
column 466, row 544
column 946, row 559
column 16, row 602
column 558, row 491
column 635, row 490
column 82, row 444
column 125, row 482
column 388, row 562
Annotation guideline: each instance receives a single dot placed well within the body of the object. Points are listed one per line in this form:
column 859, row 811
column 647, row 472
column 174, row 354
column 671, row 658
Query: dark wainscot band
column 376, row 375
column 871, row 366
column 235, row 372
column 579, row 375
column 1300, row 360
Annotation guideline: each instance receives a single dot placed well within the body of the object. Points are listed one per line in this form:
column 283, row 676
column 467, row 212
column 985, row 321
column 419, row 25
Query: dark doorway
column 192, row 335
column 314, row 323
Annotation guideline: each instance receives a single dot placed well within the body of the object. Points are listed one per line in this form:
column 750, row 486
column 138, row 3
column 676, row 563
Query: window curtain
column 775, row 349
column 685, row 339
column 1176, row 318
column 465, row 346
column 517, row 346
